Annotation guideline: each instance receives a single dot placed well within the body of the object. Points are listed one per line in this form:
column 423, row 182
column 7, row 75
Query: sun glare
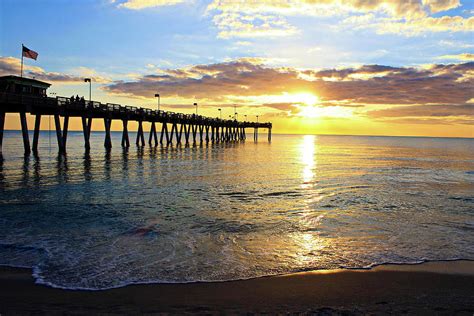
column 308, row 99
column 311, row 111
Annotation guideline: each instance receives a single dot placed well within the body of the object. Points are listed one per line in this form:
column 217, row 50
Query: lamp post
column 157, row 95
column 257, row 118
column 196, row 105
column 245, row 117
column 236, row 116
column 220, row 113
column 90, row 88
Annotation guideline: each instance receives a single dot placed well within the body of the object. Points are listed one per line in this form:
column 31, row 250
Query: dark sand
column 440, row 288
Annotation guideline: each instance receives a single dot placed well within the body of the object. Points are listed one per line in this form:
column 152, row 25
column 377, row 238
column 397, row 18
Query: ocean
column 233, row 211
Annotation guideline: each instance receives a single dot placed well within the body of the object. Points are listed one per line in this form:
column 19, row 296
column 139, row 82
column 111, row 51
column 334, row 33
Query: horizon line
column 275, row 133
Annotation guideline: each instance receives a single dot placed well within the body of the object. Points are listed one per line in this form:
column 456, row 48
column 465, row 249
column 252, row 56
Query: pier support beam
column 2, row 124
column 194, row 127
column 108, row 139
column 153, row 134
column 201, row 128
column 181, row 131
column 269, row 134
column 140, row 136
column 125, row 138
column 59, row 136
column 178, row 135
column 65, row 129
column 164, row 132
column 187, row 129
column 24, row 131
column 174, row 129
column 36, row 133
column 207, row 134
column 86, row 129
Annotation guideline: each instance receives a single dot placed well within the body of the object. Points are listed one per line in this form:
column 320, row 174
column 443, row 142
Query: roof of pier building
column 24, row 81
column 16, row 84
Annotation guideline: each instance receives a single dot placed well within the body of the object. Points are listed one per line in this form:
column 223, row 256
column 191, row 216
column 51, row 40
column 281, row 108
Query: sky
column 373, row 67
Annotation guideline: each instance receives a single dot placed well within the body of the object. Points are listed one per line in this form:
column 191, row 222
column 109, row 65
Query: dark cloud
column 370, row 84
column 432, row 121
column 432, row 110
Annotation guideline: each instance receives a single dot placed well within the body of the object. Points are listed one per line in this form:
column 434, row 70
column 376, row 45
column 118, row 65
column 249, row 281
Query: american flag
column 28, row 53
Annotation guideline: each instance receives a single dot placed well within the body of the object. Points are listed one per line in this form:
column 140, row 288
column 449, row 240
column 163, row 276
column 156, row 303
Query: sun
column 306, row 98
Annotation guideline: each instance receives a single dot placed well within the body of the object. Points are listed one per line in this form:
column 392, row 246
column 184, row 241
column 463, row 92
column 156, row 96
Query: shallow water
column 232, row 211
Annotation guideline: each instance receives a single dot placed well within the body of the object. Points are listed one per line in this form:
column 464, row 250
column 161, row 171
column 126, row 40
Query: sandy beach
column 429, row 288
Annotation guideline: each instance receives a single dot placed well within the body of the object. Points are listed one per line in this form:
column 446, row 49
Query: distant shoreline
column 433, row 287
column 275, row 133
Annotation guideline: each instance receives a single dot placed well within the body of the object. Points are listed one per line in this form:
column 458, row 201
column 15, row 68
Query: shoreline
column 442, row 287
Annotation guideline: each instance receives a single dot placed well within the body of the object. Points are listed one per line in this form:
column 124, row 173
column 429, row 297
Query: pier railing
column 201, row 128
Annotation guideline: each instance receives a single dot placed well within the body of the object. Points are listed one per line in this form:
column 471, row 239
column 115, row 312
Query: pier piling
column 2, row 124
column 24, row 131
column 36, row 133
column 59, row 136
column 125, row 138
column 108, row 138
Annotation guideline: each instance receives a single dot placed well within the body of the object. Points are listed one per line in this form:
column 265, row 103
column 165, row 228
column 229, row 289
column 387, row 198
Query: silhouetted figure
column 82, row 102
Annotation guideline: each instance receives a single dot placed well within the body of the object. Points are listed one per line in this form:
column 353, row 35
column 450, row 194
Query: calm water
column 233, row 211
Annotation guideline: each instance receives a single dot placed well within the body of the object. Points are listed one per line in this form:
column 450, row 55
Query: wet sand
column 430, row 288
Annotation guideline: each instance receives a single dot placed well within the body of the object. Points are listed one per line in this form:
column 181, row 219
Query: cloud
column 427, row 110
column 455, row 44
column 143, row 4
column 268, row 18
column 432, row 90
column 408, row 17
column 238, row 24
column 398, row 8
column 432, row 121
column 436, row 6
column 12, row 65
column 463, row 57
column 409, row 27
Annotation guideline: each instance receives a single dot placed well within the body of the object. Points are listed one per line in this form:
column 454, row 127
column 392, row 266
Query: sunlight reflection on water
column 232, row 211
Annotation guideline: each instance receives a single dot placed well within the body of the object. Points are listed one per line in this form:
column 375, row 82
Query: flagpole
column 21, row 73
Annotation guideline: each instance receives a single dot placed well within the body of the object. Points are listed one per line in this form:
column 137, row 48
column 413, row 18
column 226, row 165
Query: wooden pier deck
column 177, row 128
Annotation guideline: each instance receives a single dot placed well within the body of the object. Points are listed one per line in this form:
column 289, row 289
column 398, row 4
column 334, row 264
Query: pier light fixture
column 196, row 105
column 220, row 113
column 157, row 95
column 236, row 116
column 245, row 117
column 257, row 118
column 90, row 88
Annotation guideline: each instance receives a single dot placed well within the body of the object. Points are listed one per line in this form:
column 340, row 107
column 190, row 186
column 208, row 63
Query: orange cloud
column 12, row 65
column 369, row 84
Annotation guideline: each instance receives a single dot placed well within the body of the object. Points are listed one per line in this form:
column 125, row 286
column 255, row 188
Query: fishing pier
column 29, row 96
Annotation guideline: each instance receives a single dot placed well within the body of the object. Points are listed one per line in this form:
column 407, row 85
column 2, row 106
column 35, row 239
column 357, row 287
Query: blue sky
column 101, row 35
column 137, row 41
